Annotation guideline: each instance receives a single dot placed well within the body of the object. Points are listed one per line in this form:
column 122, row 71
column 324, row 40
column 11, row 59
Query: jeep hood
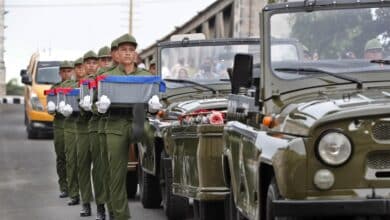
column 301, row 117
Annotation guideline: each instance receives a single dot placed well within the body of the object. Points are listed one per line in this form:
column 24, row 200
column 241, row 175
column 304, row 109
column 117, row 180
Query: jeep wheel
column 31, row 134
column 175, row 207
column 131, row 184
column 211, row 210
column 273, row 194
column 195, row 208
column 149, row 189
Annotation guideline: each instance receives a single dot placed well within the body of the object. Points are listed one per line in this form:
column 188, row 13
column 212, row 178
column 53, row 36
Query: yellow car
column 39, row 76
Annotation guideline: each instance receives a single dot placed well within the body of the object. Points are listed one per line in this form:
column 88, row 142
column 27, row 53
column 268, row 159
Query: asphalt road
column 28, row 181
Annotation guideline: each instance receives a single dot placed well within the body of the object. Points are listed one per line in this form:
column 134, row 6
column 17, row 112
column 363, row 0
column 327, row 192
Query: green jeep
column 197, row 79
column 311, row 137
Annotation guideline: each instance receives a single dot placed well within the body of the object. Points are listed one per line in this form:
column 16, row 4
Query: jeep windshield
column 48, row 73
column 352, row 42
column 204, row 62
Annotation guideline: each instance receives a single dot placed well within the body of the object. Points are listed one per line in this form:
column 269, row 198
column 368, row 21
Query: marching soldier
column 84, row 147
column 70, row 142
column 102, row 133
column 58, row 124
column 118, row 129
column 103, row 60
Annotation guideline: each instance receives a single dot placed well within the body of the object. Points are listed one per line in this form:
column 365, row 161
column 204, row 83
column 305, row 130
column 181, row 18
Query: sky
column 70, row 30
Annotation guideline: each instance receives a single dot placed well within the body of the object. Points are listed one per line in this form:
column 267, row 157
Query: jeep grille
column 381, row 131
column 379, row 160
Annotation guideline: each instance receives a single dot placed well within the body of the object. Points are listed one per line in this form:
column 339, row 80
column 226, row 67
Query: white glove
column 154, row 104
column 51, row 107
column 87, row 103
column 103, row 104
column 61, row 106
column 67, row 111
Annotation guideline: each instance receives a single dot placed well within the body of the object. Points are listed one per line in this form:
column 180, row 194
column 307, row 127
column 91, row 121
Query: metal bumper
column 361, row 207
column 42, row 126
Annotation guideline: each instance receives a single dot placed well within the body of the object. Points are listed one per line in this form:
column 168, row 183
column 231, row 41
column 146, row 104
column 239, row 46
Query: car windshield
column 48, row 75
column 339, row 41
column 203, row 63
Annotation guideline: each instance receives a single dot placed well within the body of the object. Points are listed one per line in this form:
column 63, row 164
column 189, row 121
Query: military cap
column 90, row 55
column 104, row 52
column 79, row 61
column 114, row 44
column 127, row 38
column 153, row 62
column 66, row 64
column 373, row 44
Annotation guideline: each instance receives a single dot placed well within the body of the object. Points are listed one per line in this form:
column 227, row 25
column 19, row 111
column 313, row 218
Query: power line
column 61, row 5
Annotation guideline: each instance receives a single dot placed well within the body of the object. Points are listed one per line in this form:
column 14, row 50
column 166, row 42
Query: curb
column 12, row 100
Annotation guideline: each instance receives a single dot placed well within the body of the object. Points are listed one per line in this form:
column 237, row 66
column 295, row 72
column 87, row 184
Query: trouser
column 59, row 147
column 70, row 141
column 118, row 134
column 104, row 154
column 97, row 160
column 84, row 159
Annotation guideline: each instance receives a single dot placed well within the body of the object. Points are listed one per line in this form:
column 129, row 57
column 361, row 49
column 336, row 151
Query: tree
column 332, row 32
column 13, row 88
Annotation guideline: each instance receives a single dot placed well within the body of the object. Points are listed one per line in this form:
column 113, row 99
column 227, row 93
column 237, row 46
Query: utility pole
column 2, row 66
column 131, row 17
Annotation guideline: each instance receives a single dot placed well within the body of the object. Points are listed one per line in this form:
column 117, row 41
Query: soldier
column 95, row 149
column 104, row 57
column 58, row 125
column 84, row 147
column 373, row 50
column 152, row 67
column 70, row 145
column 118, row 130
column 102, row 133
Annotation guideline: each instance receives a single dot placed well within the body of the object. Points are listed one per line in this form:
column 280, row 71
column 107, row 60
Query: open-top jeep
column 196, row 73
column 311, row 137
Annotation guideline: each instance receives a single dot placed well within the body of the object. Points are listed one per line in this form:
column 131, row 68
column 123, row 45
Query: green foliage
column 329, row 32
column 13, row 88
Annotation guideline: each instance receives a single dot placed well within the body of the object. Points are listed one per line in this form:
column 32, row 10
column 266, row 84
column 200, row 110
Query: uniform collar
column 122, row 69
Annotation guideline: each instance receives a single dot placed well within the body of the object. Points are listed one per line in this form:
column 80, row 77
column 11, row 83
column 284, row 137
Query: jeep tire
column 131, row 184
column 175, row 207
column 210, row 210
column 273, row 194
column 149, row 189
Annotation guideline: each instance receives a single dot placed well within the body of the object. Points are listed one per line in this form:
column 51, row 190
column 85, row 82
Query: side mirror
column 23, row 72
column 242, row 72
column 26, row 80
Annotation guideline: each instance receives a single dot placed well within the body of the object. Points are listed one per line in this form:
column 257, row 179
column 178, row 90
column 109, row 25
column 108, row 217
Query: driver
column 373, row 50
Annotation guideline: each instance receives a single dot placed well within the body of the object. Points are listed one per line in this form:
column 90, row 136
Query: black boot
column 74, row 201
column 101, row 212
column 112, row 216
column 85, row 210
column 63, row 194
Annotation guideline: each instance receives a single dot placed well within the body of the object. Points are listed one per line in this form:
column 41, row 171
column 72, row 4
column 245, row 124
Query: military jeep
column 196, row 73
column 311, row 137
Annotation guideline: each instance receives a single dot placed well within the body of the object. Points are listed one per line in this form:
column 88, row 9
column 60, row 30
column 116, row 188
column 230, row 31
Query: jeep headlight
column 334, row 148
column 35, row 103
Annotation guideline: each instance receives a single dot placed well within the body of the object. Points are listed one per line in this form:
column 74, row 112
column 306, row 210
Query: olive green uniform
column 119, row 137
column 70, row 137
column 103, row 146
column 59, row 146
column 101, row 195
column 84, row 157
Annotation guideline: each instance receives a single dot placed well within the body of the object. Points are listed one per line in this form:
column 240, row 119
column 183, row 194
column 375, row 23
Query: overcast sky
column 68, row 32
